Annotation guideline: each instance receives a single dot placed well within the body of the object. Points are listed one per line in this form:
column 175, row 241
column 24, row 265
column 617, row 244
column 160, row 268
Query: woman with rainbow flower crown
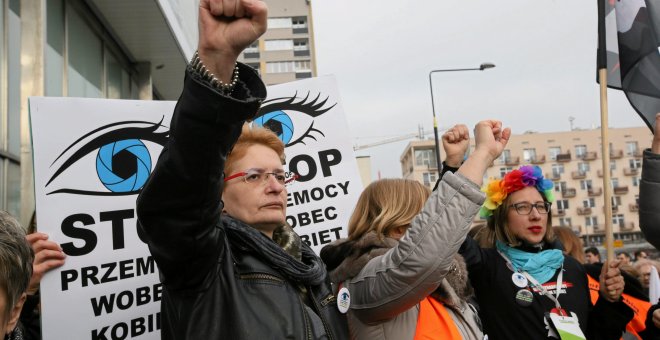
column 516, row 278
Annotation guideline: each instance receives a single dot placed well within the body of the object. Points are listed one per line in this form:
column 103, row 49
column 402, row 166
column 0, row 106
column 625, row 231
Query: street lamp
column 481, row 67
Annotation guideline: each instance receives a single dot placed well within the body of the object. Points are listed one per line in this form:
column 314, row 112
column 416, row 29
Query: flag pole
column 604, row 133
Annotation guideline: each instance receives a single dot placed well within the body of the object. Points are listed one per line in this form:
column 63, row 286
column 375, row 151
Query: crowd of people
column 213, row 214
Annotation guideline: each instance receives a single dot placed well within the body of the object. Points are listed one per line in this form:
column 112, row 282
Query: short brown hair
column 498, row 223
column 253, row 135
column 386, row 204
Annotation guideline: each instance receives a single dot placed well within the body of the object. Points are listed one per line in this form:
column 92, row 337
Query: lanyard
column 535, row 284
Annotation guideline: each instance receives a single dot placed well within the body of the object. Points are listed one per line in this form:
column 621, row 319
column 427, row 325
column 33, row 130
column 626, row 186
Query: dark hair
column 16, row 258
column 624, row 254
column 592, row 250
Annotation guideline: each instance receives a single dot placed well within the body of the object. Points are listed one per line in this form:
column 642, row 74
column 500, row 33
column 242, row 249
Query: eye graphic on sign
column 117, row 152
column 292, row 121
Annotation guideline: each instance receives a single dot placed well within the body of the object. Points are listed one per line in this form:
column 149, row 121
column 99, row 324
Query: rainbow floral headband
column 498, row 189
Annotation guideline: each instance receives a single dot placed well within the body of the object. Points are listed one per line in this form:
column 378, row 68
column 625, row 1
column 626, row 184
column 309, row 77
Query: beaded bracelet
column 199, row 67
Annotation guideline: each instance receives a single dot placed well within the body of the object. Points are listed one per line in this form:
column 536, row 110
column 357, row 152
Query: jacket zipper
column 318, row 310
column 260, row 276
column 306, row 317
column 328, row 300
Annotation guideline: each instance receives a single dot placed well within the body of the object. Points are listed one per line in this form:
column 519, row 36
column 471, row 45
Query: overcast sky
column 381, row 53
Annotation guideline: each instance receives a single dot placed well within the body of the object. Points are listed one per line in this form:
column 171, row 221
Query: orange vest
column 435, row 322
column 639, row 307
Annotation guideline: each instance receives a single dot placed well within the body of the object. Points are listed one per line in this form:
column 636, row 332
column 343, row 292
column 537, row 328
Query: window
column 85, row 59
column 280, row 23
column 429, row 178
column 253, row 48
column 529, row 155
column 553, row 152
column 618, row 219
column 635, row 163
column 585, row 184
column 300, row 45
column 288, row 66
column 589, row 203
column 631, row 148
column 278, row 45
column 565, row 221
column 300, row 22
column 425, row 157
column 616, row 201
column 591, row 221
column 583, row 167
column 505, row 157
column 562, row 204
column 615, row 182
column 580, row 151
column 504, row 170
column 612, row 165
column 557, row 170
column 635, row 181
column 560, row 186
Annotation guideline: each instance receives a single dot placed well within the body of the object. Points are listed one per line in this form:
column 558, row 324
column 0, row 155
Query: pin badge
column 343, row 300
column 524, row 297
column 519, row 280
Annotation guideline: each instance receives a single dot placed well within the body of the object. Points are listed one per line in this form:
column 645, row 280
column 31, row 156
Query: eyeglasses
column 525, row 208
column 261, row 176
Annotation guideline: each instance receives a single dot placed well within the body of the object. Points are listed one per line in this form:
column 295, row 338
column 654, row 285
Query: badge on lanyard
column 524, row 297
column 565, row 326
column 519, row 280
column 343, row 300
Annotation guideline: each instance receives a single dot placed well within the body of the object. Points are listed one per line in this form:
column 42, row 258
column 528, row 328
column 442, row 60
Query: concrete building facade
column 119, row 49
column 286, row 51
column 573, row 160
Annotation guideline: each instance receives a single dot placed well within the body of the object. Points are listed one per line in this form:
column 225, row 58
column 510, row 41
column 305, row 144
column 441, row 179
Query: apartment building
column 286, row 51
column 573, row 160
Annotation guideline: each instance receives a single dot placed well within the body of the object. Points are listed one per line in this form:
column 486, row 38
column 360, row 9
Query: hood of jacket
column 345, row 259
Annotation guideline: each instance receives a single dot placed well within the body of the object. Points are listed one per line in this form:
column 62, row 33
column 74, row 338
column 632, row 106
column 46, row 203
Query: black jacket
column 214, row 289
column 503, row 318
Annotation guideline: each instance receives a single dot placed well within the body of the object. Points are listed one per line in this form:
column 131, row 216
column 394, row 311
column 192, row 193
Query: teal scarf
column 541, row 266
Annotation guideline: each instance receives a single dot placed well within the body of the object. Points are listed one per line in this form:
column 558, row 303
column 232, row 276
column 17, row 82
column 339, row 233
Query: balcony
column 616, row 154
column 599, row 228
column 583, row 211
column 301, row 53
column 537, row 159
column 564, row 157
column 553, row 176
column 577, row 229
column 579, row 174
column 627, row 226
column 511, row 161
column 600, row 173
column 638, row 153
column 634, row 207
column 568, row 193
column 592, row 192
column 630, row 171
column 621, row 190
column 559, row 212
column 587, row 156
column 615, row 209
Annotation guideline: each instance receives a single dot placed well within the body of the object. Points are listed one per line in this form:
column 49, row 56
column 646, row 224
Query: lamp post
column 481, row 67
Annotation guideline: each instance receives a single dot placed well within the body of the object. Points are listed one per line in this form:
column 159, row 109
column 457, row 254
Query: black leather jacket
column 213, row 289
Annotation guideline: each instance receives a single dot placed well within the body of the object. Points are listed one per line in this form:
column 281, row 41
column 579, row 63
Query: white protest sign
column 91, row 158
column 308, row 117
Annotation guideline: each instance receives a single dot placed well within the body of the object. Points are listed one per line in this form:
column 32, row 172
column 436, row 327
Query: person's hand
column 490, row 138
column 226, row 28
column 656, row 316
column 455, row 142
column 611, row 281
column 655, row 145
column 47, row 255
column 490, row 141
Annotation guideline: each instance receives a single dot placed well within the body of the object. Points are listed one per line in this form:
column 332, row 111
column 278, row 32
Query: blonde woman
column 397, row 274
